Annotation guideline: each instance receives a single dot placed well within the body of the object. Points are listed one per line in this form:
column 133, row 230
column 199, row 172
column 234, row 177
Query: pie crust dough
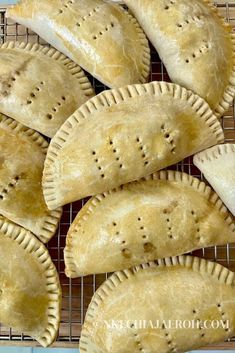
column 39, row 86
column 100, row 36
column 30, row 293
column 181, row 288
column 166, row 214
column 195, row 44
column 22, row 155
column 122, row 135
column 218, row 166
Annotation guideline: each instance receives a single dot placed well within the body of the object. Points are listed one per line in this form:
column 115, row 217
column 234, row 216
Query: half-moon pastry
column 172, row 305
column 218, row 166
column 98, row 35
column 122, row 135
column 22, row 156
column 39, row 86
column 166, row 214
column 195, row 44
column 30, row 292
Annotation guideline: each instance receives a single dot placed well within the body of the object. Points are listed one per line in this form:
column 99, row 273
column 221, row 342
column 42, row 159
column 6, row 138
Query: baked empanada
column 122, row 135
column 39, row 86
column 172, row 305
column 30, row 292
column 218, row 166
column 195, row 44
column 22, row 155
column 98, row 35
column 166, row 214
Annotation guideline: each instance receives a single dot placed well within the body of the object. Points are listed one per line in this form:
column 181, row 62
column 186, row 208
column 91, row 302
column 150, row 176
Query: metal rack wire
column 77, row 293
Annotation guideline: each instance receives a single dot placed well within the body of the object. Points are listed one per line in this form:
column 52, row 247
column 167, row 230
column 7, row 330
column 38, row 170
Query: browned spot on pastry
column 126, row 253
column 148, row 247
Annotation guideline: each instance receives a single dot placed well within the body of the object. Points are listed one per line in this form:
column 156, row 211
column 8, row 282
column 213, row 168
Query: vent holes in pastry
column 94, row 153
column 148, row 247
column 49, row 116
column 17, row 73
column 63, row 98
column 187, row 61
column 13, row 79
column 139, row 219
column 203, row 335
column 29, row 102
column 166, row 7
column 114, row 224
column 102, row 176
column 1, row 197
column 32, row 95
column 120, row 166
column 194, row 311
column 112, row 24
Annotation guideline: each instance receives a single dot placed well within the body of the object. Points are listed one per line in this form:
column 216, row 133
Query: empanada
column 22, row 155
column 122, row 135
column 218, row 166
column 100, row 36
column 195, row 44
column 166, row 214
column 39, row 86
column 30, row 292
column 172, row 305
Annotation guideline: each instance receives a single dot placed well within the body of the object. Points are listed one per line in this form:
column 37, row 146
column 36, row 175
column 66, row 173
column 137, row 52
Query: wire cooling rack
column 77, row 293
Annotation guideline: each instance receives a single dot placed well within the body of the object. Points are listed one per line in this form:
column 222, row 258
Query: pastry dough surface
column 166, row 214
column 218, row 166
column 22, row 155
column 181, row 288
column 30, row 292
column 195, row 44
column 100, row 36
column 125, row 134
column 39, row 86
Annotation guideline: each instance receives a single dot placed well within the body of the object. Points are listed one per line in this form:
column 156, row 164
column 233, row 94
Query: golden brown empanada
column 218, row 166
column 22, row 155
column 172, row 305
column 30, row 292
column 100, row 36
column 166, row 214
column 122, row 135
column 39, row 86
column 195, row 44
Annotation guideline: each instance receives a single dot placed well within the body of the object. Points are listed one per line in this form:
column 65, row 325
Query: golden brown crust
column 39, row 86
column 156, row 286
column 83, row 30
column 122, row 241
column 194, row 42
column 22, row 171
column 169, row 100
column 38, row 254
